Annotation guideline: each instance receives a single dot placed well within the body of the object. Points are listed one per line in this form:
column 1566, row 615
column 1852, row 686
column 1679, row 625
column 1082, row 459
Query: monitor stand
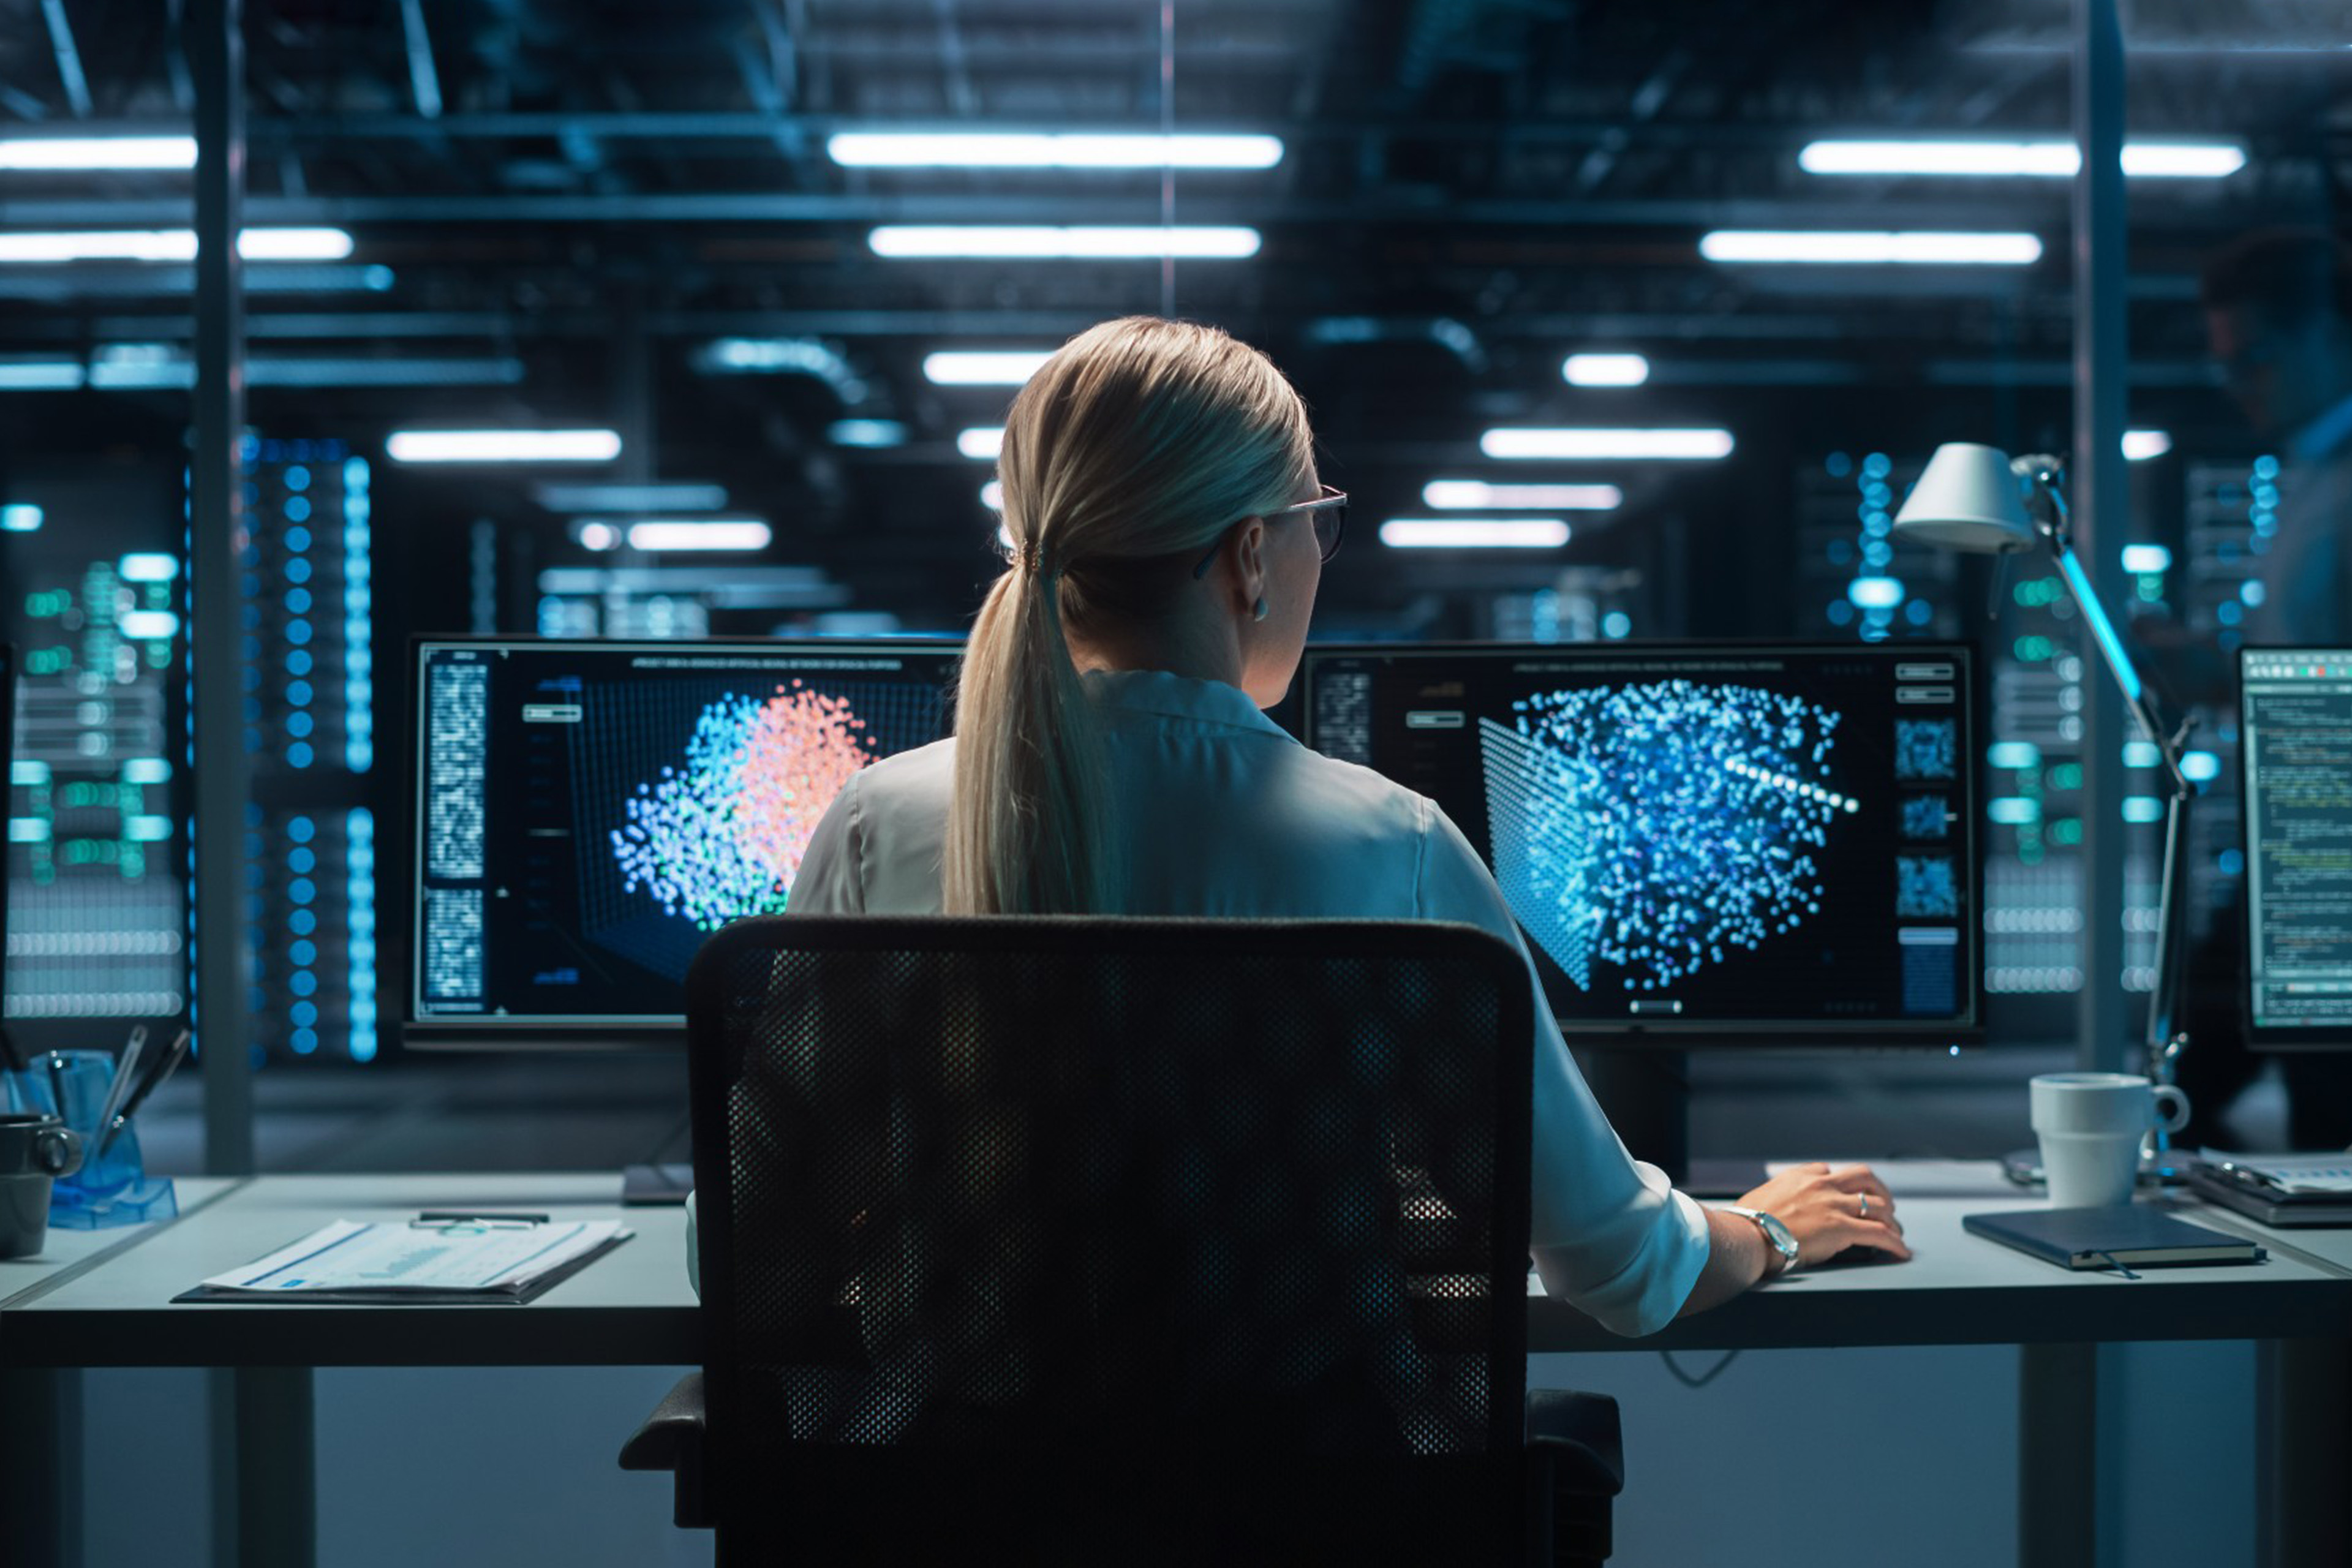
column 1647, row 1095
column 667, row 1183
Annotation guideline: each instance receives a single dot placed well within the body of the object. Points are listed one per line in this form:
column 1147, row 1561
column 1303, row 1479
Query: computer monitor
column 585, row 814
column 1705, row 844
column 2294, row 739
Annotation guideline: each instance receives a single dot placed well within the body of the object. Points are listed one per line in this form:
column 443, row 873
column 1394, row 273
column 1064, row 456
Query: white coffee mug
column 2091, row 1126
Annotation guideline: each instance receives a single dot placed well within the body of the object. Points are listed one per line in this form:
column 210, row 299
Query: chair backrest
column 1112, row 1211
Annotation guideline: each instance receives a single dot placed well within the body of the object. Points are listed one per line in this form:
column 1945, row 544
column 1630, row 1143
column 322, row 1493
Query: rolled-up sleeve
column 1609, row 1234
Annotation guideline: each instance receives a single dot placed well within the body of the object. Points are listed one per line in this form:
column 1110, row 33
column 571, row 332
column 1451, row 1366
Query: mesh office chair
column 1100, row 1240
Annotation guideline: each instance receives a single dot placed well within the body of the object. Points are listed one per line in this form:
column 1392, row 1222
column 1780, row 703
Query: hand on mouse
column 1828, row 1211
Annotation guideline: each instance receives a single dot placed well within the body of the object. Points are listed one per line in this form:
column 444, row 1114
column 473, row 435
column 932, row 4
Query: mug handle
column 2178, row 1117
column 57, row 1150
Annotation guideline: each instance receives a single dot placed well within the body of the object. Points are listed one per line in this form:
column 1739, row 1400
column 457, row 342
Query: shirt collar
column 1178, row 696
column 2323, row 433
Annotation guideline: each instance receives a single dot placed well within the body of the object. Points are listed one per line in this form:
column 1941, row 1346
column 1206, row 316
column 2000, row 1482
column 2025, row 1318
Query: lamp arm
column 2169, row 743
column 2167, row 1036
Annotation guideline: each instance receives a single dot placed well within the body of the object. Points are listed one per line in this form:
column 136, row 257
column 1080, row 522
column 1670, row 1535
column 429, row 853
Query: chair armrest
column 1580, row 1434
column 672, row 1439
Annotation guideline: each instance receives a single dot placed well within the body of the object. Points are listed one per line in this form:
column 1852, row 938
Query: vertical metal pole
column 223, row 947
column 2057, row 1456
column 265, row 1496
column 2097, row 488
column 41, row 1441
column 2100, row 499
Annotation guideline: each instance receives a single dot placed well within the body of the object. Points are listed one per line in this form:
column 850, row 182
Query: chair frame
column 1570, row 1443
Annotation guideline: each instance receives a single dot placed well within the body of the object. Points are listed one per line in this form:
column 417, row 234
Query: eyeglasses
column 1328, row 510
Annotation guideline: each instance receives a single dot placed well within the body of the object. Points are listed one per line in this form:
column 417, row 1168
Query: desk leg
column 2057, row 1456
column 264, row 1459
column 2303, row 1459
column 40, row 1466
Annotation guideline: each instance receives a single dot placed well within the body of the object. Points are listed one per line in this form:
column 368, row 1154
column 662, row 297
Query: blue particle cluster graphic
column 1660, row 826
column 1925, row 888
column 1926, row 749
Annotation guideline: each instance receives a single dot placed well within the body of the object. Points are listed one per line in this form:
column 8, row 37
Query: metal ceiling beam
column 1657, row 333
column 1069, row 207
column 70, row 72
column 424, row 81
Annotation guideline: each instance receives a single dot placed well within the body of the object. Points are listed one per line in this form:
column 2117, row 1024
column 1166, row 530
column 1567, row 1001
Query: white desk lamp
column 1980, row 500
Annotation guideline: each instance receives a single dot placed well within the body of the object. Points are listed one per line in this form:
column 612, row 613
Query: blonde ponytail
column 1130, row 452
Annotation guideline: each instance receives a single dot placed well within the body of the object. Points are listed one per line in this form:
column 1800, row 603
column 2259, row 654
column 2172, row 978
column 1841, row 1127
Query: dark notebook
column 2130, row 1237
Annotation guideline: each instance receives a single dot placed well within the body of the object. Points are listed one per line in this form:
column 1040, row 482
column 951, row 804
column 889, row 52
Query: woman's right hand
column 1828, row 1211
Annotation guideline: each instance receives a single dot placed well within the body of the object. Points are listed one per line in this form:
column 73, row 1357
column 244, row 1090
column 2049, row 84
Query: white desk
column 633, row 1307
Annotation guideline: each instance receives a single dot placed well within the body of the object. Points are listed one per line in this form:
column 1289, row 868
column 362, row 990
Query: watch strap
column 1778, row 1238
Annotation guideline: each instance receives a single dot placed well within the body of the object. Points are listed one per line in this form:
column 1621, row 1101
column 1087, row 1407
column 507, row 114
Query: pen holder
column 111, row 1189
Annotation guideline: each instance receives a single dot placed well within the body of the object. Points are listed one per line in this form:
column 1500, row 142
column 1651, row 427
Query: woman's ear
column 1249, row 559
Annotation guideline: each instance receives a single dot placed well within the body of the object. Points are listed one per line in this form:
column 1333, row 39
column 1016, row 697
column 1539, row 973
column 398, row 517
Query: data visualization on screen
column 1700, row 842
column 2296, row 740
column 586, row 813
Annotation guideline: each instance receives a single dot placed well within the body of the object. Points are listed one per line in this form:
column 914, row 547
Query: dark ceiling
column 576, row 197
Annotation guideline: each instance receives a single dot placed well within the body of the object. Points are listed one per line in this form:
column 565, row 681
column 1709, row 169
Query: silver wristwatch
column 1776, row 1236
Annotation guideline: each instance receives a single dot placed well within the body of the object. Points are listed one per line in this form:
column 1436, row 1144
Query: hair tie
column 1031, row 558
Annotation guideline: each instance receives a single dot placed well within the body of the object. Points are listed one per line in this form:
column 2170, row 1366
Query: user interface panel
column 1717, row 841
column 586, row 813
column 2296, row 740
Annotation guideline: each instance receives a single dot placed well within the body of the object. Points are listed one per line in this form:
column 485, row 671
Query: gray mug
column 35, row 1149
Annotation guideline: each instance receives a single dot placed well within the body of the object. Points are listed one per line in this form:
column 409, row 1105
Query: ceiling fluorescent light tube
column 1474, row 534
column 41, row 376
column 1012, row 242
column 1049, row 150
column 2139, row 445
column 1664, row 445
column 699, row 533
column 984, row 367
column 659, row 495
column 1477, row 495
column 983, row 442
column 1604, row 370
column 2015, row 160
column 40, row 248
column 503, row 446
column 1872, row 248
column 866, row 433
column 71, row 153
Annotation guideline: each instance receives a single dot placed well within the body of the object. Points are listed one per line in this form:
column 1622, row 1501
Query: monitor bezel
column 649, row 1031
column 2283, row 1038
column 1760, row 1035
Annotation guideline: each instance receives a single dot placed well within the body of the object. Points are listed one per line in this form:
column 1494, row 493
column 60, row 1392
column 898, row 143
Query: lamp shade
column 1967, row 500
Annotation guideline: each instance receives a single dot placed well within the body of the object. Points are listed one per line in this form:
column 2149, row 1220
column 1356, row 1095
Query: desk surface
column 633, row 1307
column 67, row 1252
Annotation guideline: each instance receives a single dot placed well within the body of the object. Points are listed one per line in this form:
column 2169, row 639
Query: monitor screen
column 2296, row 740
column 585, row 813
column 1703, row 843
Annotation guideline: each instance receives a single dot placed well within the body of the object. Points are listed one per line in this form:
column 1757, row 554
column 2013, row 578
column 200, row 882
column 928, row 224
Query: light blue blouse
column 1224, row 814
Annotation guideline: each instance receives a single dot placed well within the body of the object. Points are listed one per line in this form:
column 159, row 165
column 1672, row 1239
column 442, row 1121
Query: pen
column 460, row 1216
column 57, row 1082
column 172, row 1059
column 125, row 1068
